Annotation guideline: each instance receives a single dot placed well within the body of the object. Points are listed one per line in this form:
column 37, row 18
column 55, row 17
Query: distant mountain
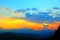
column 42, row 33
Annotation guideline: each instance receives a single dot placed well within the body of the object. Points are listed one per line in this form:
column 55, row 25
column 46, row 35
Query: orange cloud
column 53, row 26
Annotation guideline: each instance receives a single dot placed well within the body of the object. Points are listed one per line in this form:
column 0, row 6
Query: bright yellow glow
column 14, row 23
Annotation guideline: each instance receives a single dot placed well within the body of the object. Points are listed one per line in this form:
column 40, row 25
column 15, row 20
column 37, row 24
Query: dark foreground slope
column 56, row 36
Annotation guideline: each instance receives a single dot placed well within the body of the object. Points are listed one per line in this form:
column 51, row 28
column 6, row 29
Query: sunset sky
column 23, row 4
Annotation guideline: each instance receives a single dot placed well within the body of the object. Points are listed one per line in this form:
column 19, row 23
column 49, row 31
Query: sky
column 23, row 4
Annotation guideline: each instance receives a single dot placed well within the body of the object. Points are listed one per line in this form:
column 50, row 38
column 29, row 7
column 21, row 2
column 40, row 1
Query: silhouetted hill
column 27, row 36
column 26, row 33
column 19, row 36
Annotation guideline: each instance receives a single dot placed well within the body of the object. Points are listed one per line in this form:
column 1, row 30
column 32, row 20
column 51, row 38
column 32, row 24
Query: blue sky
column 23, row 4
